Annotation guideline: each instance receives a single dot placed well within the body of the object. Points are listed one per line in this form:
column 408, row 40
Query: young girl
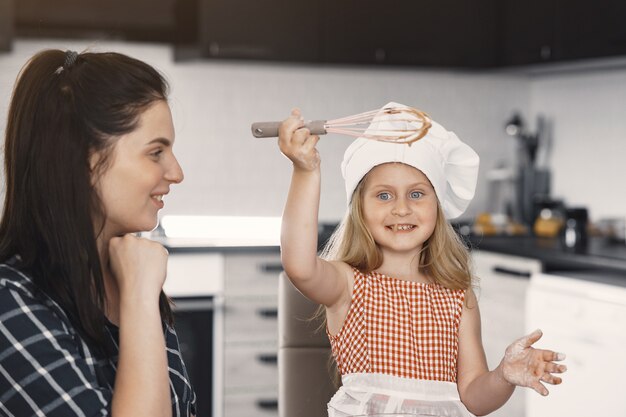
column 85, row 329
column 402, row 318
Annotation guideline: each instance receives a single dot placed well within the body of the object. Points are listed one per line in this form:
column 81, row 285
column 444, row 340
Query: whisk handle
column 270, row 129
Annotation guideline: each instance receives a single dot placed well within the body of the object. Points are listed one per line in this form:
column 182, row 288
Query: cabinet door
column 527, row 31
column 278, row 30
column 6, row 24
column 586, row 31
column 503, row 282
column 584, row 319
column 409, row 32
column 128, row 19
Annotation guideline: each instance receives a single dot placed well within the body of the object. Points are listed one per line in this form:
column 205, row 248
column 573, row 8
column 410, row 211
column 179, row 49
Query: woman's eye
column 384, row 196
column 156, row 153
column 416, row 194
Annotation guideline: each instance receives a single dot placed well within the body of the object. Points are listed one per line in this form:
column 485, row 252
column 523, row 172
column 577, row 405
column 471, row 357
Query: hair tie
column 70, row 58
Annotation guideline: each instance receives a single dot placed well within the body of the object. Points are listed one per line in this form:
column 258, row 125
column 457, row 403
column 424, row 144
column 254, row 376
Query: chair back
column 304, row 374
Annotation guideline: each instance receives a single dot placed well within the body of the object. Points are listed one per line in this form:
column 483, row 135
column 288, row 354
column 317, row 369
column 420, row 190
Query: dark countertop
column 600, row 255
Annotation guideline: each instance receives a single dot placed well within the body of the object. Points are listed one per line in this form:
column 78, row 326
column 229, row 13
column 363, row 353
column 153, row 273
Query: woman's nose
column 174, row 173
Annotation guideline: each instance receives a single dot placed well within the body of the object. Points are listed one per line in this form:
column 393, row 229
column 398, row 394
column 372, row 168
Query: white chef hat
column 450, row 165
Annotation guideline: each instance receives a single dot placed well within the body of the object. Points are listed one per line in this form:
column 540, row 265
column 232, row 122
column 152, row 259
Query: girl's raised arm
column 321, row 281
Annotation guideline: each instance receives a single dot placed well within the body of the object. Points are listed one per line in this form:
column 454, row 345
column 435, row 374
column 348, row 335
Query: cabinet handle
column 512, row 272
column 271, row 268
column 269, row 359
column 267, row 404
column 268, row 313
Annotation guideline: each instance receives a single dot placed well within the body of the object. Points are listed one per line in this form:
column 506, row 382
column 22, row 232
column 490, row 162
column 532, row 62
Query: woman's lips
column 158, row 200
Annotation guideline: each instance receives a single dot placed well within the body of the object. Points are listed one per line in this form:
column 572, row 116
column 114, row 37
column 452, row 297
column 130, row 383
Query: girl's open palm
column 297, row 143
column 526, row 366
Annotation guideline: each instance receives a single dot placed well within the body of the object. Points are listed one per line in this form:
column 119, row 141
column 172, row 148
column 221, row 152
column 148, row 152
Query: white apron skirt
column 378, row 394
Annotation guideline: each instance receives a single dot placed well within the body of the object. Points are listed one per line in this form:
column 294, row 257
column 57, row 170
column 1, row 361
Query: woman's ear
column 95, row 166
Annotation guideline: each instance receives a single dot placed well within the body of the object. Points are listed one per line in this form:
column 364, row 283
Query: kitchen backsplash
column 228, row 172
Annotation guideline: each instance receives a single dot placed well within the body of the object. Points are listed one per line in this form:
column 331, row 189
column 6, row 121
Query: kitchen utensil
column 362, row 125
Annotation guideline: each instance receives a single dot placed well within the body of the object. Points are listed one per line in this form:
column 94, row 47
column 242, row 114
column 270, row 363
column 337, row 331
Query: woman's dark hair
column 65, row 107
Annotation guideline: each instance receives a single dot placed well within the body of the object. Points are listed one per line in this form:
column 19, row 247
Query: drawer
column 251, row 405
column 250, row 366
column 194, row 274
column 250, row 318
column 247, row 273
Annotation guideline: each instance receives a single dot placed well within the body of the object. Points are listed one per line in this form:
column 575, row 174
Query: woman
column 85, row 328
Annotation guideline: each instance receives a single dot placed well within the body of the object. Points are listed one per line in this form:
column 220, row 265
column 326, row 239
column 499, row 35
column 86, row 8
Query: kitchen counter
column 178, row 245
column 599, row 255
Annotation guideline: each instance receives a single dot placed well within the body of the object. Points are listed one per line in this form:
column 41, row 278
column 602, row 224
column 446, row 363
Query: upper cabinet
column 140, row 20
column 442, row 33
column 421, row 33
column 590, row 29
column 536, row 31
column 6, row 24
column 526, row 32
column 276, row 30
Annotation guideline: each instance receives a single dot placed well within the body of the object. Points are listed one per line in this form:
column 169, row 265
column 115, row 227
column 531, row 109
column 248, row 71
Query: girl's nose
column 401, row 207
column 174, row 174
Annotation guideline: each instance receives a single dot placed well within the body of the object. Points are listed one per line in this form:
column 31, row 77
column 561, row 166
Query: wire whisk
column 398, row 124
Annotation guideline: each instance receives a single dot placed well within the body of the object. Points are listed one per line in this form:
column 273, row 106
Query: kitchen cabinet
column 277, row 30
column 586, row 31
column 582, row 314
column 503, row 282
column 6, row 24
column 251, row 332
column 527, row 32
column 444, row 33
column 141, row 20
column 402, row 32
column 539, row 31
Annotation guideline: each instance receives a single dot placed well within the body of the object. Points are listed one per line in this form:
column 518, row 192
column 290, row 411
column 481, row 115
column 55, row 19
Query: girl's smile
column 401, row 227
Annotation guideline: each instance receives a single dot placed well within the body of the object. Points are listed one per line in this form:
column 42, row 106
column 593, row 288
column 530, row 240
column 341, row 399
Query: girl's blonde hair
column 444, row 257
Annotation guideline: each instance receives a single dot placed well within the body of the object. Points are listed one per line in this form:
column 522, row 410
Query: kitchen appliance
column 363, row 125
column 194, row 322
column 574, row 232
column 581, row 314
column 532, row 180
column 195, row 284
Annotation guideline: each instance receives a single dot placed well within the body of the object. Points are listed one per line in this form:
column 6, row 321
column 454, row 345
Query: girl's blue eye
column 384, row 196
column 416, row 194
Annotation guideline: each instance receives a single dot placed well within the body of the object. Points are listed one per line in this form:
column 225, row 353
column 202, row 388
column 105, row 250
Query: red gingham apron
column 399, row 336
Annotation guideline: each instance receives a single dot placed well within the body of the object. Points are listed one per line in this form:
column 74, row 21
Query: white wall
column 230, row 172
column 588, row 112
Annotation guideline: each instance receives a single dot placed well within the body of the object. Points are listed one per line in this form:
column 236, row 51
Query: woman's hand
column 297, row 143
column 526, row 366
column 139, row 266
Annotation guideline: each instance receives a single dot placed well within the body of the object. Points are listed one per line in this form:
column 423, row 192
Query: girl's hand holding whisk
column 297, row 143
column 526, row 366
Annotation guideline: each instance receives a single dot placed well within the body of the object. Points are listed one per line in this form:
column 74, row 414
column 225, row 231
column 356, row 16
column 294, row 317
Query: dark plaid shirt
column 47, row 369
